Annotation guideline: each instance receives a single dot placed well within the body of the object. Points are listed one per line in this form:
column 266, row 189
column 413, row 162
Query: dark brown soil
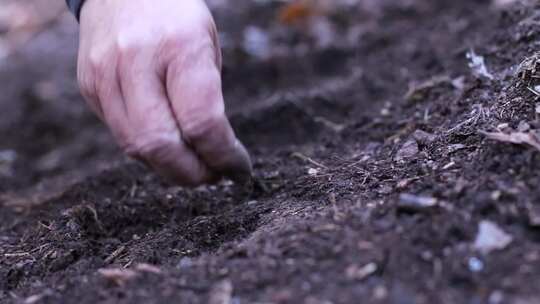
column 332, row 133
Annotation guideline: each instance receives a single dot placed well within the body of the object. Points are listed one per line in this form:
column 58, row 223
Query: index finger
column 194, row 89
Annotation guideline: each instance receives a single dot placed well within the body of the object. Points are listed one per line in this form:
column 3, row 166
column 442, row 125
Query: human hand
column 151, row 71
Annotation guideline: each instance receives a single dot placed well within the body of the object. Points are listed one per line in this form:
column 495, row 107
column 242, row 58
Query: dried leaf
column 295, row 12
column 520, row 138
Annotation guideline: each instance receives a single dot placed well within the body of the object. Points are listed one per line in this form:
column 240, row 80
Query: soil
column 335, row 132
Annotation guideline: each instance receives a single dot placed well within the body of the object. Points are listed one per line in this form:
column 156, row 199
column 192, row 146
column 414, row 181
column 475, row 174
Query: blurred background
column 45, row 130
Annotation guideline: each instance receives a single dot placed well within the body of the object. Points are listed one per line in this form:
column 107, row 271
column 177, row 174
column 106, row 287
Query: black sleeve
column 75, row 6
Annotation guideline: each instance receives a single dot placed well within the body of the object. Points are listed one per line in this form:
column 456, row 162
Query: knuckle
column 98, row 60
column 203, row 47
column 148, row 147
column 188, row 47
column 126, row 57
column 182, row 37
column 131, row 51
column 94, row 76
column 98, row 74
column 202, row 128
column 127, row 49
column 94, row 58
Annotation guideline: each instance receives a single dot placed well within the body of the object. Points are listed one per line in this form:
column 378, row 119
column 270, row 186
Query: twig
column 16, row 254
column 309, row 160
column 115, row 254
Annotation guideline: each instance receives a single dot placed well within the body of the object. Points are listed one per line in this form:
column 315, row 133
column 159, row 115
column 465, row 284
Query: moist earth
column 368, row 126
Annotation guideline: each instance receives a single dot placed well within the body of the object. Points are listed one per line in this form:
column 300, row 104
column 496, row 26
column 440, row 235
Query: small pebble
column 491, row 237
column 475, row 264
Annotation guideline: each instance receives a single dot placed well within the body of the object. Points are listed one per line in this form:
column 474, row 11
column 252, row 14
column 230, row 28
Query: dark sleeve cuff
column 75, row 7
